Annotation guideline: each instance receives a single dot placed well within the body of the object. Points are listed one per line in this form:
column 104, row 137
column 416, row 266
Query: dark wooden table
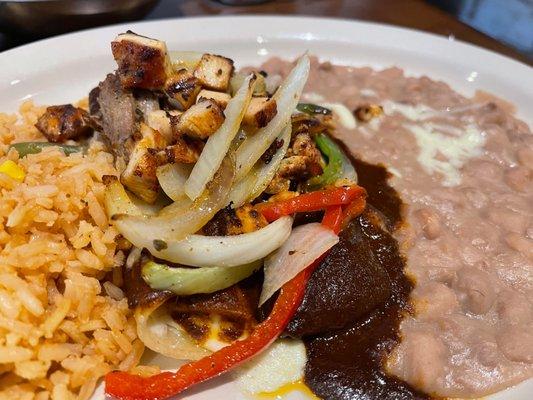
column 416, row 14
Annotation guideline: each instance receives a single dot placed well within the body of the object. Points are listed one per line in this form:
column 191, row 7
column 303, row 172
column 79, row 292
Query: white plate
column 65, row 68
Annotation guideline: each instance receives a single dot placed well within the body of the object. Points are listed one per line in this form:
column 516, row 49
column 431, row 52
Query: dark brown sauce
column 349, row 319
column 348, row 363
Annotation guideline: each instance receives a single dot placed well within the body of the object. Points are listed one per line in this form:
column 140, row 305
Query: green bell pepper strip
column 25, row 148
column 188, row 281
column 310, row 108
column 335, row 166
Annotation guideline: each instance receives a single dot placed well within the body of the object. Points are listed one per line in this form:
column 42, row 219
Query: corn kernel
column 11, row 169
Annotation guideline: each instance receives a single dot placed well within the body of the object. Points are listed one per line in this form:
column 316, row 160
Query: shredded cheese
column 346, row 117
column 455, row 149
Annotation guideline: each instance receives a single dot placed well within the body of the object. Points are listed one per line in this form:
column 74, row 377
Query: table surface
column 416, row 14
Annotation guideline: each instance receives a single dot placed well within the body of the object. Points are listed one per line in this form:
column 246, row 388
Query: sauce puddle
column 349, row 363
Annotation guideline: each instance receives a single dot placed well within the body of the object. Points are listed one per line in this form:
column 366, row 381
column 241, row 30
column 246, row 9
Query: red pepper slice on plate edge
column 127, row 386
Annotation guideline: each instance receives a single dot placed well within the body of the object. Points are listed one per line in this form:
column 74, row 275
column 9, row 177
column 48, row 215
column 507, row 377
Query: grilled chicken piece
column 214, row 72
column 114, row 109
column 142, row 62
column 260, row 112
column 201, row 120
column 140, row 173
column 220, row 98
column 302, row 161
column 164, row 122
column 302, row 145
column 184, row 150
column 234, row 222
column 183, row 87
column 64, row 122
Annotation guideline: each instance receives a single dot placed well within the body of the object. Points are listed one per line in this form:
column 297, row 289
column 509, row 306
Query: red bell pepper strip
column 333, row 218
column 127, row 386
column 312, row 201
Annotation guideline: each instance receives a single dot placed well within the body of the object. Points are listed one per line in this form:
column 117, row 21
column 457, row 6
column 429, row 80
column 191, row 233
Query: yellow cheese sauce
column 282, row 391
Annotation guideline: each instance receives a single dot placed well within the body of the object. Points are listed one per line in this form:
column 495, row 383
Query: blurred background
column 504, row 26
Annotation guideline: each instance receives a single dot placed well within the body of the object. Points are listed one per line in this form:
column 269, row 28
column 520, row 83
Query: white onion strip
column 257, row 180
column 305, row 244
column 160, row 333
column 287, row 97
column 226, row 251
column 172, row 178
column 185, row 59
column 219, row 143
column 179, row 222
column 118, row 201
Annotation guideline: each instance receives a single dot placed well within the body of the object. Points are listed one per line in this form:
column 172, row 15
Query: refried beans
column 464, row 168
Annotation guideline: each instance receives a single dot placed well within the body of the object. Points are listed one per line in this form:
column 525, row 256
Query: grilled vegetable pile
column 213, row 169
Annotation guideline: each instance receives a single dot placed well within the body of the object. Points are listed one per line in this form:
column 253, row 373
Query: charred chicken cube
column 142, row 62
column 183, row 87
column 220, row 98
column 214, row 72
column 201, row 120
column 140, row 173
column 302, row 161
column 303, row 145
column 64, row 122
column 260, row 112
column 184, row 151
column 164, row 122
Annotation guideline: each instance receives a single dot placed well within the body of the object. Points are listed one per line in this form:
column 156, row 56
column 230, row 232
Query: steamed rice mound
column 64, row 321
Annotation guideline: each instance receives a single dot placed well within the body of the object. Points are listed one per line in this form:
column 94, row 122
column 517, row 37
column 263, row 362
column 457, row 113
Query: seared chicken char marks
column 142, row 62
column 220, row 98
column 183, row 88
column 184, row 151
column 302, row 161
column 214, row 72
column 164, row 122
column 140, row 174
column 201, row 120
column 260, row 112
column 64, row 122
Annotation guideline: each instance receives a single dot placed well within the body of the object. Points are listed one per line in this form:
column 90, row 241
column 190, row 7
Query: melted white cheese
column 443, row 148
column 368, row 92
column 282, row 363
column 345, row 116
column 343, row 113
column 456, row 150
column 213, row 341
column 414, row 113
